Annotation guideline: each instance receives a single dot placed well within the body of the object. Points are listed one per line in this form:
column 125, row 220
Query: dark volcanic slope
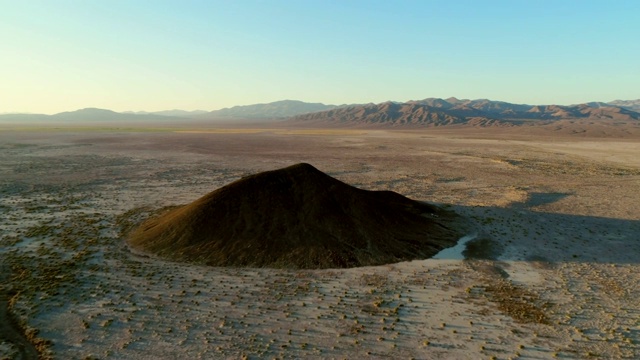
column 298, row 217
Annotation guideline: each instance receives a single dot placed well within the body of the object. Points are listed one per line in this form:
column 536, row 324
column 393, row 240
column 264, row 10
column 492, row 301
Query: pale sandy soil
column 562, row 214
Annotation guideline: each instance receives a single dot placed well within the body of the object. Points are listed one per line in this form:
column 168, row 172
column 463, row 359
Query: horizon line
column 306, row 102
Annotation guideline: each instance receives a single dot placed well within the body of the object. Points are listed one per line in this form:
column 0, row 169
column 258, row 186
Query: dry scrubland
column 553, row 272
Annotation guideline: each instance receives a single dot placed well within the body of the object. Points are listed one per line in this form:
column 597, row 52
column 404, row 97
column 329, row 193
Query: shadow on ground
column 519, row 233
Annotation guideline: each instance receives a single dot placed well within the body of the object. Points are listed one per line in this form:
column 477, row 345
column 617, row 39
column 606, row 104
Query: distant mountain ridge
column 628, row 104
column 427, row 112
column 277, row 109
column 274, row 110
column 452, row 111
column 174, row 112
column 87, row 115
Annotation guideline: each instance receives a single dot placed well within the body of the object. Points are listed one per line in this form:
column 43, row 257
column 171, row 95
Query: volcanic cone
column 297, row 217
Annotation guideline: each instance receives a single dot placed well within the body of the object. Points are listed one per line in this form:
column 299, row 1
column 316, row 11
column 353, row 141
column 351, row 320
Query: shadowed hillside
column 298, row 217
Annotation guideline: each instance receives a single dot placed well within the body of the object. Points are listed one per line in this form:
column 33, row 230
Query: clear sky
column 156, row 55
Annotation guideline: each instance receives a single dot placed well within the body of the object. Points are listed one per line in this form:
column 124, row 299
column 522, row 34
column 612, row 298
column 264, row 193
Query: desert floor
column 554, row 270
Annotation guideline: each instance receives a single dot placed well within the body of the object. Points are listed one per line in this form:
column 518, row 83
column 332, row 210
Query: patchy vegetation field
column 553, row 272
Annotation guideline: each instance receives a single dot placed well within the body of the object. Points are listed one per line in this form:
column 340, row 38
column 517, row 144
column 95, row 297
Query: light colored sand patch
column 620, row 152
column 455, row 252
column 523, row 273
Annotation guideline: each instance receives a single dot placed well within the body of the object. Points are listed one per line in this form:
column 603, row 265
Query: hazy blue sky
column 156, row 55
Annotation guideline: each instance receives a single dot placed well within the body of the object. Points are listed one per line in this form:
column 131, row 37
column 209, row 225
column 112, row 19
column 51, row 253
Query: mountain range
column 256, row 112
column 428, row 112
column 174, row 112
column 628, row 104
column 87, row 115
column 452, row 111
column 274, row 110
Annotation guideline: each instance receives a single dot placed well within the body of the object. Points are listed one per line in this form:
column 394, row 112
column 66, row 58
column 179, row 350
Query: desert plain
column 552, row 270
